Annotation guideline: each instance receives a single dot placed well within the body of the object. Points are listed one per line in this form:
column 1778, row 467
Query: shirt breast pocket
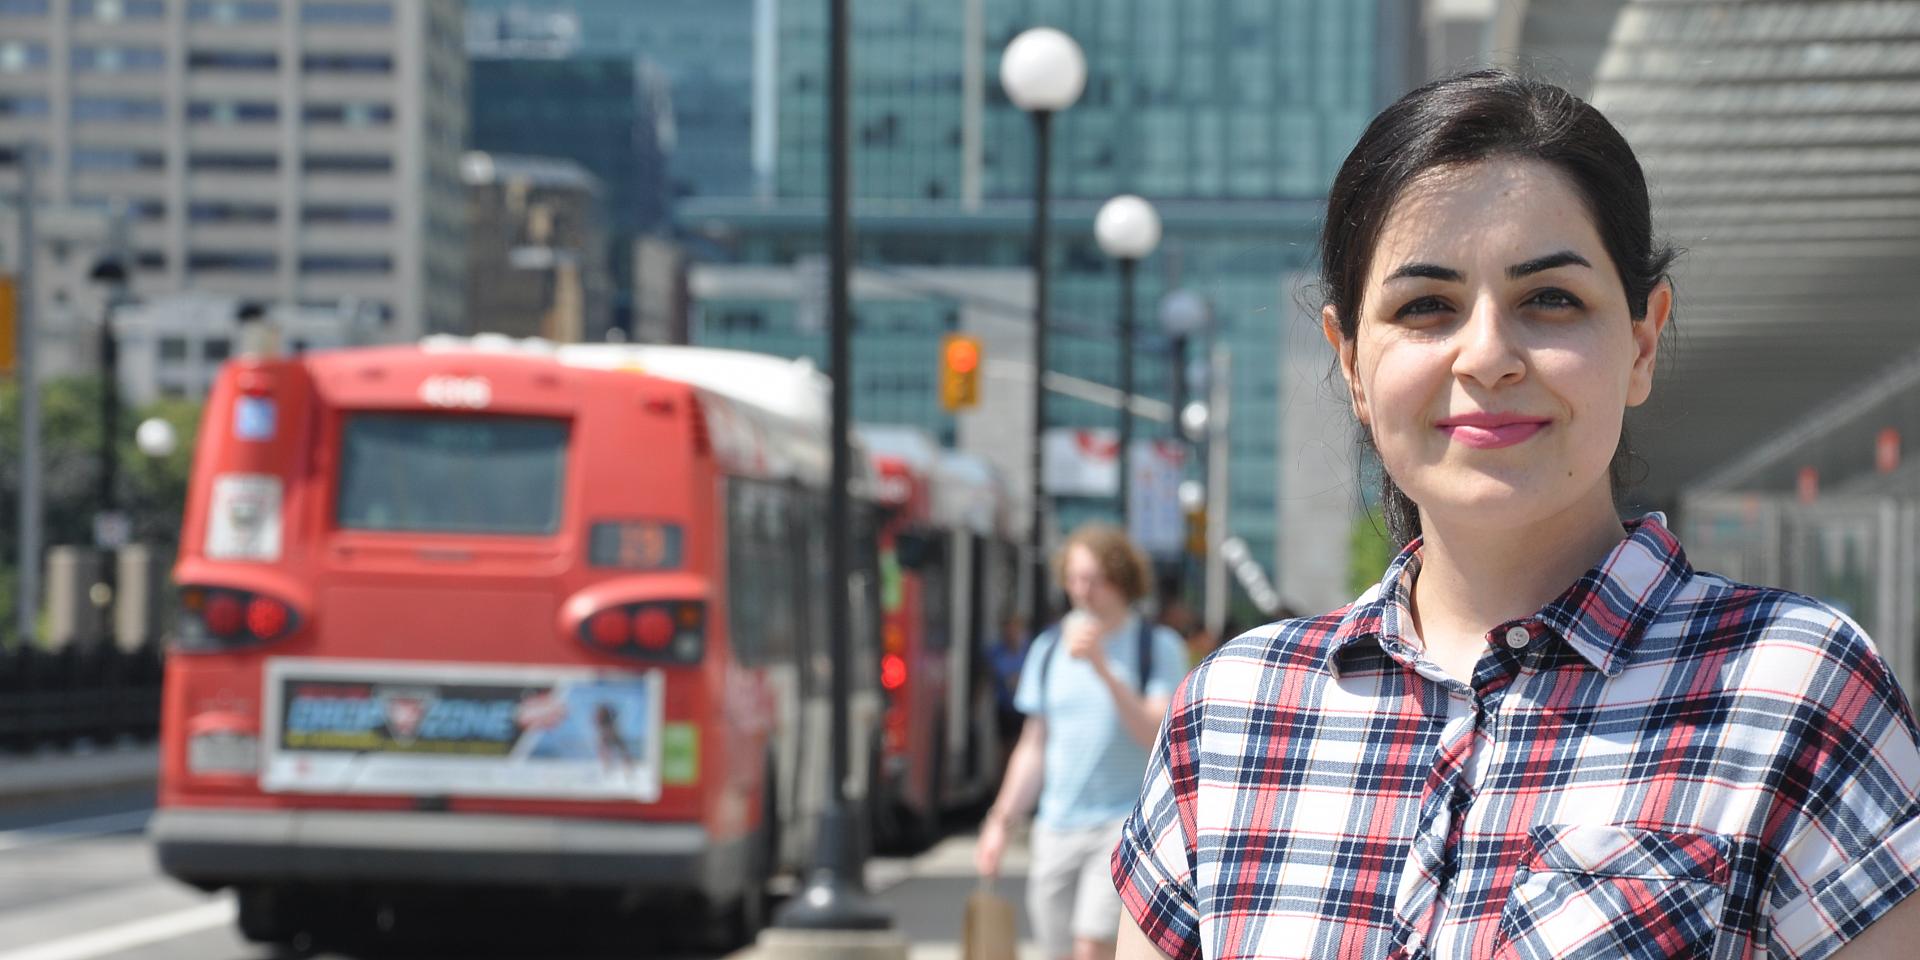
column 1592, row 891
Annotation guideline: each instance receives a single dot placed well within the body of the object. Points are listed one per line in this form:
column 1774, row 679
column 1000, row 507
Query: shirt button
column 1517, row 637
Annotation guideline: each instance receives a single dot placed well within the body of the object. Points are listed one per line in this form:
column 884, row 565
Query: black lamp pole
column 1036, row 539
column 1126, row 392
column 835, row 896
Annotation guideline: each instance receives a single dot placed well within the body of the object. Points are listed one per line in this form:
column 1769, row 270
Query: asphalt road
column 78, row 882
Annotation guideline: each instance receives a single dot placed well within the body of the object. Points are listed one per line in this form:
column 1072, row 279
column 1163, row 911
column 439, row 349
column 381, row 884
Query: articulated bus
column 495, row 613
column 948, row 571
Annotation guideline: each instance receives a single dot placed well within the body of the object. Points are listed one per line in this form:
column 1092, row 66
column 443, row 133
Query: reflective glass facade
column 1230, row 115
column 703, row 49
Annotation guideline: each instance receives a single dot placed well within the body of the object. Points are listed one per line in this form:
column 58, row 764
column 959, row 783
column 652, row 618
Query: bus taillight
column 893, row 671
column 673, row 631
column 215, row 618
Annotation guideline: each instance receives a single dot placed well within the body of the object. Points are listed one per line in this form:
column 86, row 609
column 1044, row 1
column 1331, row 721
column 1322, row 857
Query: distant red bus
column 488, row 612
column 948, row 585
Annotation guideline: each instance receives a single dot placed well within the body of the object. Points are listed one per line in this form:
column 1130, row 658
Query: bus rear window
column 417, row 473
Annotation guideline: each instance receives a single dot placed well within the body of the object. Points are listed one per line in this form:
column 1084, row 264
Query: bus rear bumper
column 213, row 848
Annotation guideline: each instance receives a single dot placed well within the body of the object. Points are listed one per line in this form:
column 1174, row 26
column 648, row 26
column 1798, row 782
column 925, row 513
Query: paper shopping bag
column 992, row 930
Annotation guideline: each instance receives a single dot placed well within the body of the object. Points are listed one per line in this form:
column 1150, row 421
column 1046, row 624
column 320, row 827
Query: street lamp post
column 1128, row 230
column 1043, row 72
column 834, row 896
column 109, row 527
column 1184, row 315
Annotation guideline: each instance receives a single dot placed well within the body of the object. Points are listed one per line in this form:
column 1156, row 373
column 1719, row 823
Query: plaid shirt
column 1660, row 763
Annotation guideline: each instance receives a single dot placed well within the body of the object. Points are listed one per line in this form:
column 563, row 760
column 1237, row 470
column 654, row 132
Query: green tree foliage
column 152, row 492
column 1368, row 551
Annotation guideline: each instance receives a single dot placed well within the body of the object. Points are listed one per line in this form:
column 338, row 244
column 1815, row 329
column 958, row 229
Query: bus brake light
column 673, row 630
column 223, row 615
column 608, row 629
column 653, row 627
column 215, row 619
column 267, row 618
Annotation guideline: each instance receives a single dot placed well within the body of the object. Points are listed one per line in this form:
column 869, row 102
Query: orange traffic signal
column 959, row 372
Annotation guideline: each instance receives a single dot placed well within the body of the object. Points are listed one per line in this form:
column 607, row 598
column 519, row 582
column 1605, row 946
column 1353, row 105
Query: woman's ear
column 1344, row 353
column 1646, row 342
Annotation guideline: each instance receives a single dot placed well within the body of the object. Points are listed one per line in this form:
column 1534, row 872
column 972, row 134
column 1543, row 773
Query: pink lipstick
column 1491, row 431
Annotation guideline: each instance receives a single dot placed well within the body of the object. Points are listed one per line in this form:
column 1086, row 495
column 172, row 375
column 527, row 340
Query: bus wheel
column 736, row 922
column 268, row 915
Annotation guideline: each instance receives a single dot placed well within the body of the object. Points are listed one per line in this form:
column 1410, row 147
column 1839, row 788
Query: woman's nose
column 1487, row 351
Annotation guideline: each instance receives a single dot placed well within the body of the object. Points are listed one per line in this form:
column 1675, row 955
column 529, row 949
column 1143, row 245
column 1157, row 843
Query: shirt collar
column 1601, row 616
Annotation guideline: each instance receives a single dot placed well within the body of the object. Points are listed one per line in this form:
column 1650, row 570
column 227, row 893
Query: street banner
column 386, row 727
column 1084, row 462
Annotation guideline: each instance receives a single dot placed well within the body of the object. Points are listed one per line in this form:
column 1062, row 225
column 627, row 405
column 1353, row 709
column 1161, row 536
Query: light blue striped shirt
column 1093, row 768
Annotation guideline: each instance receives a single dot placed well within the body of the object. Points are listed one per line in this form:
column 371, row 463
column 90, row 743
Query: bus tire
column 735, row 922
column 267, row 915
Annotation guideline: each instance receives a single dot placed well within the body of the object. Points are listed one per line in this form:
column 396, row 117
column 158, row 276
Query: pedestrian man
column 1094, row 689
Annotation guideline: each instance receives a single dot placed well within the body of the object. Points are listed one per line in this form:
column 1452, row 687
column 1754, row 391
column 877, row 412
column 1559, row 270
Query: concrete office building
column 297, row 153
column 536, row 249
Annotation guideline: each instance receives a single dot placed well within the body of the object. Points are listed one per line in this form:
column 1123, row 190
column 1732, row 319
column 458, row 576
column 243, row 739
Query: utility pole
column 26, row 601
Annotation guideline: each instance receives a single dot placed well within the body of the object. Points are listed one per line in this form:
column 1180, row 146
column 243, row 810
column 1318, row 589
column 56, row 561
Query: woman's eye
column 1556, row 300
column 1422, row 307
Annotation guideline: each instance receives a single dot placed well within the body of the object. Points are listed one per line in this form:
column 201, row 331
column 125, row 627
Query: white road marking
column 126, row 936
column 65, row 830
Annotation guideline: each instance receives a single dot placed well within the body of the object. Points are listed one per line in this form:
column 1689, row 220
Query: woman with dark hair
column 1542, row 734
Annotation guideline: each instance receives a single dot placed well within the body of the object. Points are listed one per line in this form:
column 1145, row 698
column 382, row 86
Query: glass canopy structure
column 1782, row 144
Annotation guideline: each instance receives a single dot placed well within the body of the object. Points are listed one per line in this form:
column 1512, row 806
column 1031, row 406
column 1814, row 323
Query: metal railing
column 95, row 693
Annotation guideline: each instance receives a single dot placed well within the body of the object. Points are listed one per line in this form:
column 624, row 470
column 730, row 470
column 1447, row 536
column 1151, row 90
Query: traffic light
column 959, row 372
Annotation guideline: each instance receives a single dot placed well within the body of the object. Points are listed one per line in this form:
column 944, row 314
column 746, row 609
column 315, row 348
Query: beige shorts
column 1070, row 887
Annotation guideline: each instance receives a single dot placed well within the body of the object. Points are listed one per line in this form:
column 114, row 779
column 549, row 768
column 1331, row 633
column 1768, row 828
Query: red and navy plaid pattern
column 1660, row 763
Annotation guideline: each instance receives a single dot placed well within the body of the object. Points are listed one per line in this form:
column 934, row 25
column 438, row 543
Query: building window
column 226, row 211
column 234, row 11
column 348, row 163
column 346, row 263
column 233, row 61
column 173, row 349
column 350, row 114
column 370, row 14
column 227, row 113
column 217, row 349
column 118, row 59
column 17, row 57
column 23, row 8
column 109, row 11
column 116, row 109
column 347, row 62
column 154, row 260
column 232, row 261
column 348, row 213
column 19, row 106
column 234, row 162
column 116, row 160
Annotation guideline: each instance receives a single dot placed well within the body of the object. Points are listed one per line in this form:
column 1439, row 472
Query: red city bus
column 500, row 613
column 947, row 571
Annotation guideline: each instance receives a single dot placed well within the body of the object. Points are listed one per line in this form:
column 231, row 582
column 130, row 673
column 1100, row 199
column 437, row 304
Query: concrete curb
column 39, row 778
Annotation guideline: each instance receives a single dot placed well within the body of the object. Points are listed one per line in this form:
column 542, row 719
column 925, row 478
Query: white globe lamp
column 1043, row 70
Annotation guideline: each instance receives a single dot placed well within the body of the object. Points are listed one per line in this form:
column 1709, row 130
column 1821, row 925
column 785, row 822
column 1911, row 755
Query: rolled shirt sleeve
column 1153, row 866
column 1849, row 849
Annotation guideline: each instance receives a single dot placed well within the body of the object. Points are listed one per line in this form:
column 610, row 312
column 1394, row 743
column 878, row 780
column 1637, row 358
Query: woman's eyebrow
column 1548, row 262
column 1431, row 271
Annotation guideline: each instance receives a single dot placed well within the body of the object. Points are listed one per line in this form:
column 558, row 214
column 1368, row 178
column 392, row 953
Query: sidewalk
column 928, row 896
column 55, row 775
